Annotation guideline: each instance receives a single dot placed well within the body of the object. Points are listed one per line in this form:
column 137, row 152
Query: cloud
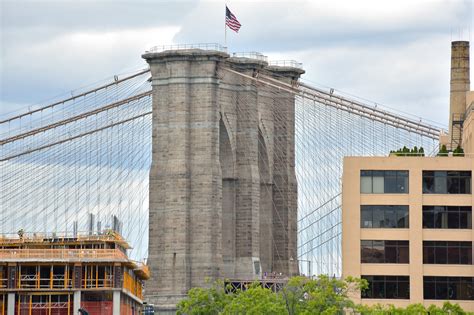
column 393, row 53
column 107, row 15
column 396, row 53
column 70, row 61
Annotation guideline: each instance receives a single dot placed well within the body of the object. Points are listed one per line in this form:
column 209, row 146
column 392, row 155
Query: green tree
column 255, row 301
column 203, row 301
column 301, row 296
column 324, row 295
column 421, row 151
column 458, row 151
column 443, row 151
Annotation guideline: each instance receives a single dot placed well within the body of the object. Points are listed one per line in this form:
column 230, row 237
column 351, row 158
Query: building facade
column 59, row 274
column 407, row 229
column 407, row 220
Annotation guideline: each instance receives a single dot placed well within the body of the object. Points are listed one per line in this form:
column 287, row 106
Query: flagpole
column 225, row 27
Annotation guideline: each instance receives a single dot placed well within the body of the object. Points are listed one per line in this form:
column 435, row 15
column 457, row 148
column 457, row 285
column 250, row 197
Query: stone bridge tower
column 223, row 193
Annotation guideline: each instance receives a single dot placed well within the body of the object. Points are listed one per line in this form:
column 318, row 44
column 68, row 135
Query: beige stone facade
column 415, row 234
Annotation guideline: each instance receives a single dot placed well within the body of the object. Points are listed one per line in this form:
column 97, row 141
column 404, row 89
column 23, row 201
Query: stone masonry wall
column 222, row 182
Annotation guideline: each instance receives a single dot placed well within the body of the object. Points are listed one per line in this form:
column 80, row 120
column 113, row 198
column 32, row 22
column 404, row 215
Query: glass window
column 441, row 253
column 465, row 185
column 442, row 290
column 384, row 216
column 365, row 218
column 391, row 288
column 366, row 184
column 440, row 185
column 448, row 288
column 403, row 253
column 453, row 254
column 377, row 251
column 378, row 217
column 387, row 287
column 453, row 185
column 447, row 217
column 402, row 181
column 428, row 220
column 465, row 219
column 379, row 182
column 465, row 254
column 447, row 252
column 378, row 287
column 428, row 184
column 429, row 288
column 453, row 220
column 402, row 217
column 428, row 254
column 390, row 181
column 447, row 182
column 404, row 287
column 378, row 185
column 391, row 250
column 391, row 217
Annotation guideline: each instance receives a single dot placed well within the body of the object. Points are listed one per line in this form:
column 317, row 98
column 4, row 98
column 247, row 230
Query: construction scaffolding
column 60, row 274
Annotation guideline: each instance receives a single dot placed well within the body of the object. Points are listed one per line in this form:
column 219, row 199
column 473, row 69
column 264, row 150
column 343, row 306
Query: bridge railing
column 204, row 46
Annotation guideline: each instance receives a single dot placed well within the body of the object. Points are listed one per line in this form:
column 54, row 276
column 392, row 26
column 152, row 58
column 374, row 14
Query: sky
column 393, row 53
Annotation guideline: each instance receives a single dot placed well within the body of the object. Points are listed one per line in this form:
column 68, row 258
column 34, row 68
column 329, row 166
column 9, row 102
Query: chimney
column 460, row 84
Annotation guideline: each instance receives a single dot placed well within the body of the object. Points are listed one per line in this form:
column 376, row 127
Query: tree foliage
column 443, row 151
column 409, row 152
column 301, row 296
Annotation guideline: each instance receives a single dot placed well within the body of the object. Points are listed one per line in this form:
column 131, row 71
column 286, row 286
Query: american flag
column 231, row 21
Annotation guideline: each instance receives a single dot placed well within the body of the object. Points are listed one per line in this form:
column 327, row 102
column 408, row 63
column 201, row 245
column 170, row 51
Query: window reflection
column 379, row 182
column 448, row 288
column 377, row 251
column 384, row 216
column 447, row 217
column 447, row 182
column 387, row 287
column 447, row 252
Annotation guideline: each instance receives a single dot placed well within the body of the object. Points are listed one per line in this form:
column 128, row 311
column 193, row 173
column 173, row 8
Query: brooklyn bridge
column 210, row 163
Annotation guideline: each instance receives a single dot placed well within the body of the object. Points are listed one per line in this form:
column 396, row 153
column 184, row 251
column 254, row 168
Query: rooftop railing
column 203, row 46
column 251, row 55
column 286, row 63
column 59, row 236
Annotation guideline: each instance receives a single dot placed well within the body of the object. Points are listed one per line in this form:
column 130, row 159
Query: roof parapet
column 202, row 46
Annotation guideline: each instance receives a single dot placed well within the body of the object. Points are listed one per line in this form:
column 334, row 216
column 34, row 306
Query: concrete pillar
column 460, row 84
column 76, row 303
column 116, row 302
column 285, row 258
column 185, row 245
column 11, row 304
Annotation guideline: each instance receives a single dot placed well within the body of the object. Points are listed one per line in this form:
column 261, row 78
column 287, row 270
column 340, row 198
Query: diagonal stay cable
column 74, row 137
column 75, row 118
column 75, row 97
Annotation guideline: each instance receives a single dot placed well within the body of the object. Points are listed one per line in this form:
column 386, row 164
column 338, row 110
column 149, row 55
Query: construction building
column 60, row 274
column 407, row 220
